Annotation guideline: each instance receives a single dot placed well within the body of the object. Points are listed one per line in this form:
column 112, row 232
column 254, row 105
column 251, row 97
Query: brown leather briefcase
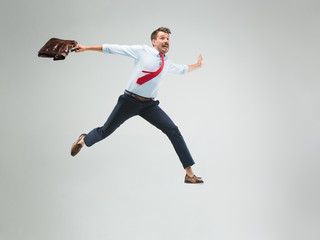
column 56, row 48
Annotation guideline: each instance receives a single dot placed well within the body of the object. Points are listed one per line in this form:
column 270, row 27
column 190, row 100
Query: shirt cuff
column 186, row 69
column 105, row 48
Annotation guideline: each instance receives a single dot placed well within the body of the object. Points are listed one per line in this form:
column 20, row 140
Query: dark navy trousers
column 128, row 107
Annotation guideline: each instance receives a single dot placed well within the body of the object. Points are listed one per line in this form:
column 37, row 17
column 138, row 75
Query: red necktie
column 151, row 75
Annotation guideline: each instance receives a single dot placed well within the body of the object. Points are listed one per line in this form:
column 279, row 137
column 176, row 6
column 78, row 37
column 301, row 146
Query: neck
column 159, row 50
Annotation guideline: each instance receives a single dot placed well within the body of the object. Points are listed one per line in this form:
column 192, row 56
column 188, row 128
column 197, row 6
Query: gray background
column 250, row 118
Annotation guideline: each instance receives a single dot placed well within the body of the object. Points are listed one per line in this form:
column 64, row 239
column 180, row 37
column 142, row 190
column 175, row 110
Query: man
column 151, row 65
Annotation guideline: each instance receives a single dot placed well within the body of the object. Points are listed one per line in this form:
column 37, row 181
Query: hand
column 197, row 65
column 199, row 60
column 79, row 48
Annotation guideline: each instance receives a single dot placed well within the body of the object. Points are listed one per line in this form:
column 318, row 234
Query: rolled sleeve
column 125, row 50
column 178, row 68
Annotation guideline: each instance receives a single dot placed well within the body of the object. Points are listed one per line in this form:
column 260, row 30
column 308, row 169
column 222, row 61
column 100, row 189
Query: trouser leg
column 121, row 112
column 157, row 117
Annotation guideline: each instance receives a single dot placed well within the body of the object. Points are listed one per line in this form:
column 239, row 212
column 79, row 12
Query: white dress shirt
column 148, row 59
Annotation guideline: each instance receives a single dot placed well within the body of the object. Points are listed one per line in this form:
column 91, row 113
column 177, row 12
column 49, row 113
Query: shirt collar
column 156, row 52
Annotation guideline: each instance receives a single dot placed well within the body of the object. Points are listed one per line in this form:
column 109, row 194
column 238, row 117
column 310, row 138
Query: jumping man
column 151, row 64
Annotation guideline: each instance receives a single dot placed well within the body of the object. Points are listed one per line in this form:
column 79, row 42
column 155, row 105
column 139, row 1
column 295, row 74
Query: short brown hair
column 160, row 29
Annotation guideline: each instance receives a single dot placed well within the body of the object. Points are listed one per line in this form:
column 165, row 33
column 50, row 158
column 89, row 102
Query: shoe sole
column 193, row 182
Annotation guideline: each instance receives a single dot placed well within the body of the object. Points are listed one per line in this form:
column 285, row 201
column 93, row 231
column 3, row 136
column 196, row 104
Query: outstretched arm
column 82, row 48
column 196, row 65
column 125, row 50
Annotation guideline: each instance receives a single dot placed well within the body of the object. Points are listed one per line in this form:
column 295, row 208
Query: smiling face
column 161, row 43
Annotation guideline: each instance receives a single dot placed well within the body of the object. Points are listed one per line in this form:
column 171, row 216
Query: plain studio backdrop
column 250, row 117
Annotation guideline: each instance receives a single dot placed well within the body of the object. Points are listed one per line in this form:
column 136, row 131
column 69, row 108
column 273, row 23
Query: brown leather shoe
column 193, row 179
column 76, row 146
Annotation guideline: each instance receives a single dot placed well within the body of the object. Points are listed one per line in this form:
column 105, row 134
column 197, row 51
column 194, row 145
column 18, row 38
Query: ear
column 153, row 42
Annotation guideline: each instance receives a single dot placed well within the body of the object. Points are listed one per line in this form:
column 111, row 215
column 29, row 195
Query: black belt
column 142, row 99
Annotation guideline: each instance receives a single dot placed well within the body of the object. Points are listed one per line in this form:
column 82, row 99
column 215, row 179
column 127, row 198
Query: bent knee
column 172, row 130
